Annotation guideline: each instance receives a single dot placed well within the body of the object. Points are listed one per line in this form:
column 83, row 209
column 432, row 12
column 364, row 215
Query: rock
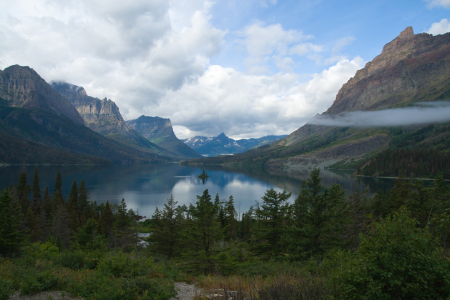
column 23, row 87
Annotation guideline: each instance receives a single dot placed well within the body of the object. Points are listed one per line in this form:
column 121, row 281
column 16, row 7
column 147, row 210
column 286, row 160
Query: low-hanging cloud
column 422, row 113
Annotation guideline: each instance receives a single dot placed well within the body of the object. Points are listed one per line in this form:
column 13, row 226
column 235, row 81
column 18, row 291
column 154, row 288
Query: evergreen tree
column 11, row 236
column 166, row 230
column 36, row 192
column 203, row 233
column 122, row 219
column 72, row 207
column 58, row 198
column 271, row 224
column 107, row 220
column 32, row 224
column 320, row 217
column 83, row 197
column 230, row 227
column 358, row 210
column 23, row 190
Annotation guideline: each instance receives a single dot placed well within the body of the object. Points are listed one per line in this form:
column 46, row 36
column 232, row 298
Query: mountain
column 412, row 68
column 38, row 125
column 104, row 117
column 222, row 145
column 23, row 87
column 160, row 132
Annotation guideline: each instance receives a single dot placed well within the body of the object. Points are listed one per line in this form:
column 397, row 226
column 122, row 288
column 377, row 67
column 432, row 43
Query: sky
column 246, row 68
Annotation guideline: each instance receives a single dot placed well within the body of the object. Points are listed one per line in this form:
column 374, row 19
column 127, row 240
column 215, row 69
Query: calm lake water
column 145, row 187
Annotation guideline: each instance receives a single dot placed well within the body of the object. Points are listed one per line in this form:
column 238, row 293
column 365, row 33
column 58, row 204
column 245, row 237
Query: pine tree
column 271, row 224
column 230, row 220
column 320, row 217
column 11, row 236
column 58, row 198
column 107, row 220
column 23, row 190
column 166, row 230
column 203, row 233
column 122, row 219
column 36, row 192
column 72, row 207
column 83, row 197
column 32, row 224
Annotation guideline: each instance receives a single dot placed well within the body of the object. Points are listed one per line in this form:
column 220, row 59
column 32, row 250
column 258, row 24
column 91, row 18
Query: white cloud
column 342, row 42
column 271, row 43
column 305, row 48
column 437, row 3
column 252, row 105
column 130, row 53
column 439, row 27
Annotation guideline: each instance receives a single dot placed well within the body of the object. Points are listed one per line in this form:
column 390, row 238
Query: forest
column 325, row 244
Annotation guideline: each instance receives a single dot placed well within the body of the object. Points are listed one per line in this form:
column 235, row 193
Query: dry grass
column 282, row 286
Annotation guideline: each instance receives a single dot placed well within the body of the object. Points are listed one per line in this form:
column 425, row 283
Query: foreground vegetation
column 324, row 245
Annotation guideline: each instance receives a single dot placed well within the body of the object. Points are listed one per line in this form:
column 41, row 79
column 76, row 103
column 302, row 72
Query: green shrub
column 5, row 288
column 73, row 260
column 120, row 264
column 396, row 260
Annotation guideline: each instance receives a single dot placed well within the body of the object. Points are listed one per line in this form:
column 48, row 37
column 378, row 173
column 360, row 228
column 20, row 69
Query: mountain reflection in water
column 145, row 187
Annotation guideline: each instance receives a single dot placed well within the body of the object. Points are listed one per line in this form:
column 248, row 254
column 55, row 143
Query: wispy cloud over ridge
column 421, row 113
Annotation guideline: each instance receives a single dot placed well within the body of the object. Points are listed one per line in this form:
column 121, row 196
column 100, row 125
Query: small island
column 204, row 175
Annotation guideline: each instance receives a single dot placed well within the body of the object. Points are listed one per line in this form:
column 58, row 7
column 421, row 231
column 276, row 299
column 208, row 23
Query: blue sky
column 246, row 68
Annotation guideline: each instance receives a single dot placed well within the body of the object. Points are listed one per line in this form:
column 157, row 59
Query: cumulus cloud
column 271, row 42
column 439, row 3
column 439, row 27
column 253, row 105
column 131, row 53
column 423, row 113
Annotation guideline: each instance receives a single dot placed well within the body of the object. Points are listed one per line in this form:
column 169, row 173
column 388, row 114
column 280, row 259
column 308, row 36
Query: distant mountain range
column 61, row 124
column 223, row 145
column 413, row 68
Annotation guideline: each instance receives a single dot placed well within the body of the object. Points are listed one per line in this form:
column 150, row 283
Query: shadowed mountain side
column 103, row 117
column 23, row 87
column 62, row 134
column 411, row 69
column 160, row 132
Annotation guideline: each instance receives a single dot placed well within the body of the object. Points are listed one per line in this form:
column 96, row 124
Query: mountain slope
column 160, row 132
column 23, row 87
column 103, row 117
column 35, row 125
column 411, row 68
column 38, row 125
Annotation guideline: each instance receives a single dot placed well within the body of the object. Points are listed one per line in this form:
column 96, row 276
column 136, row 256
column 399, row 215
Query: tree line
column 28, row 216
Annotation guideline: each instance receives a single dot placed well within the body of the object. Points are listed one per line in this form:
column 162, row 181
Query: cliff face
column 152, row 128
column 23, row 87
column 411, row 68
column 101, row 116
column 159, row 131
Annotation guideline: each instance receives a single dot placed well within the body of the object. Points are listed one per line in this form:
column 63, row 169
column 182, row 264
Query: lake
column 145, row 187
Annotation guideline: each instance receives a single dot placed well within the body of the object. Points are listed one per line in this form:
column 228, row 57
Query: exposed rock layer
column 23, row 87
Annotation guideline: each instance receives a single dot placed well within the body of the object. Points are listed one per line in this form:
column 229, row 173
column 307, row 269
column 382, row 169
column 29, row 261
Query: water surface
column 145, row 187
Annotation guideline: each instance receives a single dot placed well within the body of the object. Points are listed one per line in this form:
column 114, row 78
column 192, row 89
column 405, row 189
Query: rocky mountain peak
column 397, row 74
column 23, row 87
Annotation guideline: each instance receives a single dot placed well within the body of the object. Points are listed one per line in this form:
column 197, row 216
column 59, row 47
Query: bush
column 5, row 288
column 42, row 281
column 121, row 265
column 73, row 260
column 396, row 260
